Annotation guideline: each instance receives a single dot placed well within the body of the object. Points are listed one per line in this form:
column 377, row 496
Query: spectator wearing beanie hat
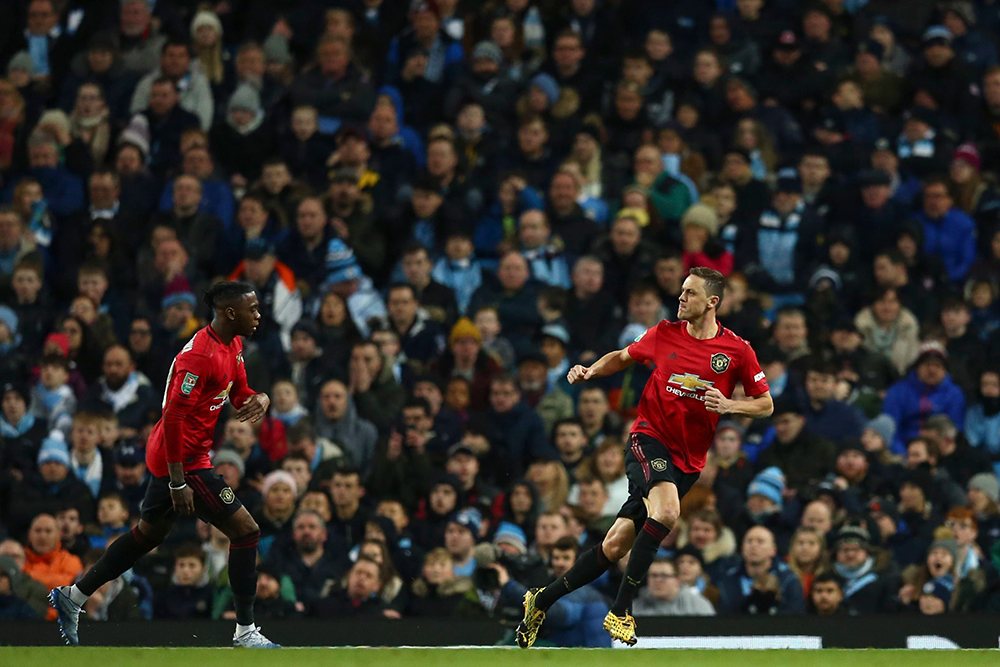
column 765, row 507
column 973, row 194
column 806, row 456
column 465, row 357
column 983, row 495
column 866, row 591
column 245, row 140
column 344, row 277
column 21, row 431
column 700, row 229
column 52, row 488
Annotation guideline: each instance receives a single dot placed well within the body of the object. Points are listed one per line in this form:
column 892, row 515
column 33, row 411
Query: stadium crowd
column 443, row 205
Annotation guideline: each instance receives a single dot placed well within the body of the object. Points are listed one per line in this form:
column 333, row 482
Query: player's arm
column 184, row 385
column 609, row 364
column 250, row 406
column 757, row 407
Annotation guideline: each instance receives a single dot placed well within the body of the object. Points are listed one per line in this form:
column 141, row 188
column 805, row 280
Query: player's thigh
column 619, row 539
column 216, row 503
column 238, row 524
column 664, row 503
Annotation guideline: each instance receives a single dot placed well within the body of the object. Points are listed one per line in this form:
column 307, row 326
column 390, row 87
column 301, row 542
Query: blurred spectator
column 760, row 584
column 665, row 596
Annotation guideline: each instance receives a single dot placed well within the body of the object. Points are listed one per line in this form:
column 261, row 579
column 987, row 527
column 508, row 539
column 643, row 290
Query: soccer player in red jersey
column 698, row 363
column 208, row 372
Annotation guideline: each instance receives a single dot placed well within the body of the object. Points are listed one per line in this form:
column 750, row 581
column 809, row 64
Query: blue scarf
column 22, row 427
column 292, row 417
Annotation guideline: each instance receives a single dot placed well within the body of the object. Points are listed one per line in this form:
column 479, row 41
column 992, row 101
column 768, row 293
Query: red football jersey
column 672, row 407
column 203, row 376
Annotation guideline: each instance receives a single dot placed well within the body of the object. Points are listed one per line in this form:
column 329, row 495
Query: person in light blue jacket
column 982, row 420
column 459, row 269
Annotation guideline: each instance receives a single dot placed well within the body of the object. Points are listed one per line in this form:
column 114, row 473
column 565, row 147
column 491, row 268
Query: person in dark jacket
column 336, row 87
column 165, row 122
column 306, row 561
column 22, row 432
column 245, row 139
column 954, row 453
column 360, row 595
column 803, row 455
column 438, row 592
column 515, row 299
column 51, row 489
column 123, row 391
column 516, row 433
column 826, row 416
column 187, row 596
column 949, row 232
column 866, row 591
column 269, row 603
column 432, row 515
column 760, row 583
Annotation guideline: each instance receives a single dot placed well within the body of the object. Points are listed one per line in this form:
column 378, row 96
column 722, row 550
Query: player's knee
column 666, row 516
column 615, row 547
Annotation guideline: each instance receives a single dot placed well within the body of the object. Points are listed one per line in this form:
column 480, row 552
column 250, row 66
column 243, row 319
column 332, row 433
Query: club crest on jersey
column 690, row 381
column 227, row 495
column 188, row 383
column 659, row 465
column 720, row 362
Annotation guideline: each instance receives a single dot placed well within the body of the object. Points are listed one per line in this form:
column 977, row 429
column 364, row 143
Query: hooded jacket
column 909, row 402
column 356, row 435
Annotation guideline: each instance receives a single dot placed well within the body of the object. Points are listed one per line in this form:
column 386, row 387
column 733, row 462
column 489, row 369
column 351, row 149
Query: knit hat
column 937, row 34
column 942, row 588
column 508, row 533
column 825, row 273
column 54, row 117
column 968, row 153
column 54, row 449
column 469, row 518
column 641, row 217
column 931, row 349
column 279, row 477
column 788, row 181
column 870, row 177
column 276, row 50
column 548, row 85
column 690, row 550
column 488, row 50
column 701, row 215
column 873, row 48
column 60, row 339
column 9, row 317
column 229, row 456
column 961, row 8
column 949, row 544
column 884, row 426
column 556, row 331
column 852, row 534
column 884, row 505
column 987, row 484
column 341, row 265
column 425, row 6
column 203, row 18
column 18, row 389
column 21, row 60
column 136, row 134
column 177, row 293
column 921, row 478
column 258, row 248
column 464, row 328
column 308, row 327
column 246, row 97
column 770, row 483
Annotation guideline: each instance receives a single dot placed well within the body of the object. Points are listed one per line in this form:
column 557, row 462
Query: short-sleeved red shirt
column 204, row 375
column 672, row 407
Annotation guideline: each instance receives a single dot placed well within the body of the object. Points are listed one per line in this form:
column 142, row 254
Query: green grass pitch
column 361, row 657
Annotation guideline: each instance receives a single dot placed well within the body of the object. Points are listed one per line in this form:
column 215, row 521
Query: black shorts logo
column 720, row 362
column 227, row 495
column 659, row 465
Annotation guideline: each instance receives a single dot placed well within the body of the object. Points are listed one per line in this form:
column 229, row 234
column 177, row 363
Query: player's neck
column 222, row 331
column 704, row 327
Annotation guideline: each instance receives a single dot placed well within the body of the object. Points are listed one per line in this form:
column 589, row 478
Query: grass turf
column 361, row 657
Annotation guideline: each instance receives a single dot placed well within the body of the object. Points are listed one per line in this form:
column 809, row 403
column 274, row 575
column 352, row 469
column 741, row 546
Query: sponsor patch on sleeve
column 639, row 337
column 188, row 383
column 758, row 377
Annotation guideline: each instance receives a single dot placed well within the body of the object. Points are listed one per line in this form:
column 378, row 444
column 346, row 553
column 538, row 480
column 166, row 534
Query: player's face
column 245, row 314
column 694, row 301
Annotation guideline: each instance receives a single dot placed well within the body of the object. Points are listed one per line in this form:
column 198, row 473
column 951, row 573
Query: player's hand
column 578, row 374
column 716, row 402
column 254, row 409
column 183, row 500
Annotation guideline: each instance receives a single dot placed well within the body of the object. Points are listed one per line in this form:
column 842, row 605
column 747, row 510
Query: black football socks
column 644, row 549
column 588, row 567
column 119, row 557
column 243, row 575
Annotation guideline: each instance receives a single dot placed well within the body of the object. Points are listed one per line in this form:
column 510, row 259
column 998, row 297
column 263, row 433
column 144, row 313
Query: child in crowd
column 189, row 595
column 487, row 320
column 113, row 519
column 52, row 399
column 87, row 462
column 287, row 408
column 458, row 269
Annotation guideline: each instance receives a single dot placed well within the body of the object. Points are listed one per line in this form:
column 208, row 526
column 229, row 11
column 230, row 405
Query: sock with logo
column 588, row 567
column 243, row 575
column 647, row 542
column 120, row 556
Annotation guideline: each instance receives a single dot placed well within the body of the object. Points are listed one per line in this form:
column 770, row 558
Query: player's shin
column 647, row 542
column 589, row 566
column 243, row 577
column 120, row 556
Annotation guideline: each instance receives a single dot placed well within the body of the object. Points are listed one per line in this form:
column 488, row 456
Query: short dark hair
column 822, row 366
column 398, row 286
column 302, row 430
column 190, row 550
column 163, row 79
column 567, row 543
column 417, row 402
column 715, row 282
column 568, row 421
column 226, row 292
column 414, row 248
column 175, row 41
column 348, row 472
column 827, row 577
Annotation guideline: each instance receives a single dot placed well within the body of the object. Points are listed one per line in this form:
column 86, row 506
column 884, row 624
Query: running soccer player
column 698, row 363
column 207, row 372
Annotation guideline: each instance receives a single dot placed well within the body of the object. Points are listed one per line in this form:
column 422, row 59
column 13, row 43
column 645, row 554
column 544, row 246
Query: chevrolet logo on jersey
column 690, row 381
column 224, row 394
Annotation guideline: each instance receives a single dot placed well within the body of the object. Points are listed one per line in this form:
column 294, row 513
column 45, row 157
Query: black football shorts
column 214, row 501
column 647, row 462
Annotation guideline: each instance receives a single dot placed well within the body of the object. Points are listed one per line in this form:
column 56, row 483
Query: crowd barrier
column 896, row 631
